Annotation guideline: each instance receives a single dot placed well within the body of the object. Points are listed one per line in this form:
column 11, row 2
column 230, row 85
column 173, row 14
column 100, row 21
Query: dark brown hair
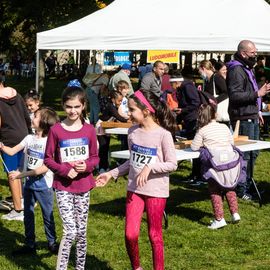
column 48, row 117
column 71, row 93
column 162, row 114
column 207, row 112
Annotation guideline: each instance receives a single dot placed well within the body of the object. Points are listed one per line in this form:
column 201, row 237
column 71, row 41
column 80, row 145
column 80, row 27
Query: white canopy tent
column 193, row 25
column 190, row 25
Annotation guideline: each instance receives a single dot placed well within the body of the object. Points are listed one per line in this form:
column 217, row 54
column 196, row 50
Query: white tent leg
column 37, row 70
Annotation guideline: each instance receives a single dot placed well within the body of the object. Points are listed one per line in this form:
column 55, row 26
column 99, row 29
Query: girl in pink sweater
column 152, row 157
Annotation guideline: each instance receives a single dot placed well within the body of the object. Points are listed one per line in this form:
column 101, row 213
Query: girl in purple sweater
column 72, row 155
column 152, row 157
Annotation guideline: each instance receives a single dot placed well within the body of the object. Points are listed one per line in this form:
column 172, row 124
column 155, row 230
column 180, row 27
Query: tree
column 21, row 20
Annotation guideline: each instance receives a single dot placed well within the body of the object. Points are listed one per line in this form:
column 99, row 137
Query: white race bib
column 34, row 159
column 74, row 149
column 141, row 155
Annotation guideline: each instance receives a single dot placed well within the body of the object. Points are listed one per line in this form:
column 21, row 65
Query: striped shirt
column 212, row 135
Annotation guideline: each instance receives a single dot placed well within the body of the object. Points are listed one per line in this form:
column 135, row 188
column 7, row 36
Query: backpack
column 206, row 98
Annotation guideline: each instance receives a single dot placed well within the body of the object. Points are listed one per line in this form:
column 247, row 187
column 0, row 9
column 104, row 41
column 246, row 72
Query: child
column 222, row 163
column 32, row 101
column 109, row 109
column 38, row 185
column 152, row 157
column 123, row 87
column 71, row 153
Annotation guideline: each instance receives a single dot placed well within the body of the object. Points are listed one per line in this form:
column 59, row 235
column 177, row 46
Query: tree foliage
column 21, row 20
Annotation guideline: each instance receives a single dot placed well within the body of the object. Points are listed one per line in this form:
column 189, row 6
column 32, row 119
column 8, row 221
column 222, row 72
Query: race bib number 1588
column 74, row 149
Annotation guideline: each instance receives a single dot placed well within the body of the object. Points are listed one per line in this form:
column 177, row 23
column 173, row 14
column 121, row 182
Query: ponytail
column 162, row 114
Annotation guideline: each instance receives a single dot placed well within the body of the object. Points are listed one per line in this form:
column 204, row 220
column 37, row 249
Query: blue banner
column 117, row 58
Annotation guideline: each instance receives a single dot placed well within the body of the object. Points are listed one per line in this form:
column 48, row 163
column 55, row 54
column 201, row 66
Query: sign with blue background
column 116, row 58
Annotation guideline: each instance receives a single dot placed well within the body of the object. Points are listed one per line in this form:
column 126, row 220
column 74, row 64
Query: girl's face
column 32, row 105
column 223, row 72
column 36, row 121
column 135, row 113
column 73, row 108
column 117, row 101
column 124, row 92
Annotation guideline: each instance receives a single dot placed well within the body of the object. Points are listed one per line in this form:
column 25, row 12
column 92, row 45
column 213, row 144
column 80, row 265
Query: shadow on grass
column 3, row 182
column 28, row 262
column 114, row 207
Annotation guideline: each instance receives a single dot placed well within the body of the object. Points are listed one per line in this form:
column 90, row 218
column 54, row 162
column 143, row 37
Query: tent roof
column 192, row 25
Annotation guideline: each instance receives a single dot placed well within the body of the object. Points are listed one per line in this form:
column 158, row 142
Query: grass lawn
column 188, row 242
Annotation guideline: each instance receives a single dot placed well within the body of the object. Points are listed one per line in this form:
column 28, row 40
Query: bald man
column 245, row 103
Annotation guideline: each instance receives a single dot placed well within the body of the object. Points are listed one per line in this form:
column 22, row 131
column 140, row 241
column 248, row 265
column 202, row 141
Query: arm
column 221, row 88
column 18, row 175
column 123, row 169
column 192, row 99
column 236, row 82
column 49, row 160
column 169, row 162
column 93, row 159
column 197, row 142
column 114, row 112
column 146, row 82
column 11, row 150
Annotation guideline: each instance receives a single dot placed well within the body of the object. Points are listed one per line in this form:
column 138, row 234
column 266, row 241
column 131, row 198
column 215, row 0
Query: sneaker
column 24, row 250
column 235, row 218
column 246, row 197
column 217, row 224
column 14, row 215
column 53, row 248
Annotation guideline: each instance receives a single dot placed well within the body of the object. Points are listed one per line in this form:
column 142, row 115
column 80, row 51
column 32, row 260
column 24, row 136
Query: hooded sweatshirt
column 15, row 122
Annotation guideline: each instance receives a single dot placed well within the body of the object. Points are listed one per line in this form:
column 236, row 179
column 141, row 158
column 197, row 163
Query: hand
column 72, row 174
column 261, row 119
column 177, row 110
column 1, row 145
column 264, row 90
column 80, row 166
column 103, row 179
column 13, row 175
column 143, row 176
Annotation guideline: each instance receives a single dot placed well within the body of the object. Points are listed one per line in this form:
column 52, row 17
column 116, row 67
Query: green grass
column 188, row 242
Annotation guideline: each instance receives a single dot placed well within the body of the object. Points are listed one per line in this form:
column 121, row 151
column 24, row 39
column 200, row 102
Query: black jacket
column 220, row 87
column 15, row 120
column 242, row 97
column 189, row 101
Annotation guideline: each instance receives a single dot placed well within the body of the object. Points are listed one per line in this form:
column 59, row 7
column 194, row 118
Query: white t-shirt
column 124, row 107
column 34, row 149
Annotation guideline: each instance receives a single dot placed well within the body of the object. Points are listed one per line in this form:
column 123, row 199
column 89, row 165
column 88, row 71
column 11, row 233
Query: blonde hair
column 207, row 65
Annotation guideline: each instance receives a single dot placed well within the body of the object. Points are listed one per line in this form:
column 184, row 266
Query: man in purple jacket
column 245, row 103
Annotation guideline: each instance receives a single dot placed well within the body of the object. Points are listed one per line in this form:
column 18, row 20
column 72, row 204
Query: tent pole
column 37, row 70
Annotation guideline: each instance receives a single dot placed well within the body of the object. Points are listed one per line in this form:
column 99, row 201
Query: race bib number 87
column 34, row 159
column 74, row 149
column 140, row 156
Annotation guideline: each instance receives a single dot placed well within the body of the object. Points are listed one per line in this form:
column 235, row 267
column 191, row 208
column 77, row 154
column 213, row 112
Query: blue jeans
column 45, row 199
column 94, row 106
column 251, row 129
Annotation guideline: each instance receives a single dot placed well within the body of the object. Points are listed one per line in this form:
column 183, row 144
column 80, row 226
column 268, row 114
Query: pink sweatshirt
column 154, row 148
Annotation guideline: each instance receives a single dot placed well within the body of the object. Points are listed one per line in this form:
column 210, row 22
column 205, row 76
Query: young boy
column 123, row 87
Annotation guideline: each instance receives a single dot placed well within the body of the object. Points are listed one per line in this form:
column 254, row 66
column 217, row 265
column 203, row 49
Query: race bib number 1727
column 141, row 155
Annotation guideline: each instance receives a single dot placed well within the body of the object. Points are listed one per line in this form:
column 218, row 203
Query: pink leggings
column 216, row 192
column 154, row 207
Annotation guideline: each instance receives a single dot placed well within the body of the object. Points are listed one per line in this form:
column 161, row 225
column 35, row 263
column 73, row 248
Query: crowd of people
column 60, row 157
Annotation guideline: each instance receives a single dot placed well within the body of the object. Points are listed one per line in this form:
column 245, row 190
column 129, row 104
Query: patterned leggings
column 135, row 205
column 216, row 192
column 73, row 209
